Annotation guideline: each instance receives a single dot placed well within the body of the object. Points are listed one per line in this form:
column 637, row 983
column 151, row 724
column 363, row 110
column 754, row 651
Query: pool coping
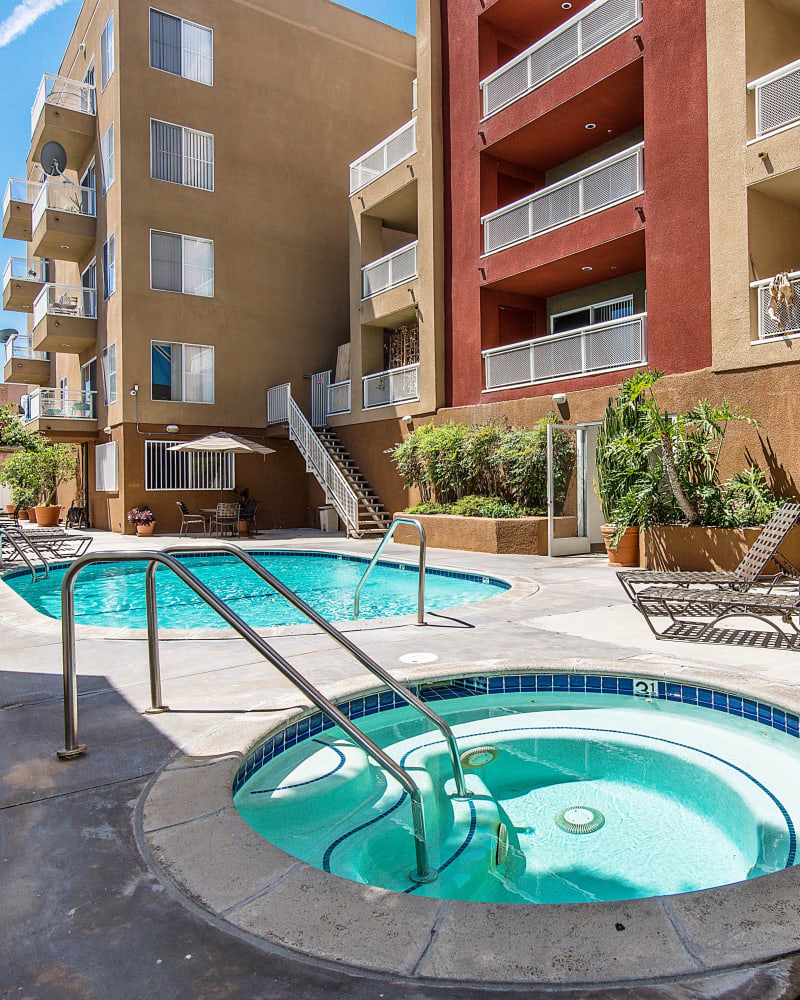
column 16, row 611
column 199, row 846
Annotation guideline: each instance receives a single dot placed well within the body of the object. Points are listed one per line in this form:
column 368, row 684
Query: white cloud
column 23, row 16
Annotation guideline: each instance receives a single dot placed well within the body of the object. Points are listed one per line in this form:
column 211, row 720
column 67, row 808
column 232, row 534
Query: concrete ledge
column 688, row 547
column 497, row 535
column 252, row 888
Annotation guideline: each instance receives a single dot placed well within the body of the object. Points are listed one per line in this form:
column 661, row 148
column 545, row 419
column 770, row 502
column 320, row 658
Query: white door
column 567, row 493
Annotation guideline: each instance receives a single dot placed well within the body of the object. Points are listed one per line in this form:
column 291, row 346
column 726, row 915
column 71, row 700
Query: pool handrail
column 373, row 562
column 14, row 537
column 356, row 652
column 72, row 748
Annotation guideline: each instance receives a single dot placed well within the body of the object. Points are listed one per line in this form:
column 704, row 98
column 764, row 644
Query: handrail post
column 422, row 559
column 71, row 748
column 154, row 659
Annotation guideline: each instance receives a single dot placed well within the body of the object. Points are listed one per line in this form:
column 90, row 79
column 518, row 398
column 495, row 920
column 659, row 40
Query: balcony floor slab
column 17, row 221
column 28, row 371
column 64, row 236
column 19, row 293
column 75, row 130
column 64, row 334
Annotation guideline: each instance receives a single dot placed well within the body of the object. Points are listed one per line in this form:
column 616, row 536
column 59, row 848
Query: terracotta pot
column 48, row 517
column 23, row 515
column 10, row 508
column 32, row 515
column 243, row 527
column 145, row 530
column 626, row 552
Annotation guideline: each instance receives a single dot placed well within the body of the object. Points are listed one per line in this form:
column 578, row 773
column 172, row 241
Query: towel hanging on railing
column 781, row 293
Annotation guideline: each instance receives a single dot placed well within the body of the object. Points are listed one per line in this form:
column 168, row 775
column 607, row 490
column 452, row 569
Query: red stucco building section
column 668, row 52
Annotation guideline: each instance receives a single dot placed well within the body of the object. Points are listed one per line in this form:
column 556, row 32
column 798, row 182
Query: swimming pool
column 114, row 594
column 580, row 791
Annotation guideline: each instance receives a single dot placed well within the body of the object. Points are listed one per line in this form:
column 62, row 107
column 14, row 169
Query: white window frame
column 63, row 385
column 107, row 394
column 225, row 457
column 619, row 300
column 106, row 455
column 171, row 291
column 112, row 239
column 107, row 56
column 182, row 344
column 107, row 158
column 182, row 182
column 194, row 24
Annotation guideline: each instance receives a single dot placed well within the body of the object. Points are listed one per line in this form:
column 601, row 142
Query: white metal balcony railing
column 592, row 190
column 19, row 190
column 786, row 319
column 338, row 398
column 390, row 271
column 25, row 269
column 64, row 197
column 777, row 99
column 384, row 157
column 19, row 347
column 397, row 385
column 63, row 93
column 65, row 300
column 620, row 343
column 66, row 404
column 588, row 30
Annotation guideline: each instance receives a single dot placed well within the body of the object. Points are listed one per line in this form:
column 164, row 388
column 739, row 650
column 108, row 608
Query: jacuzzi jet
column 479, row 756
column 579, row 819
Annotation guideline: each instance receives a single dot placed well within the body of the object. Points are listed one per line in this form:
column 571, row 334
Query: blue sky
column 33, row 37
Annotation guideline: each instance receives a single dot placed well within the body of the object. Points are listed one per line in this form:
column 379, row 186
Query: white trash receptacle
column 328, row 518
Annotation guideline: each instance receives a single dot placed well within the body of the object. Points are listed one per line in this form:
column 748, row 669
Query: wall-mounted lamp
column 106, row 430
column 560, row 398
column 407, row 420
column 172, row 428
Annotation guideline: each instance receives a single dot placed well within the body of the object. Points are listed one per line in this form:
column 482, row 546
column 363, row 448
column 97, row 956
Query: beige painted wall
column 630, row 284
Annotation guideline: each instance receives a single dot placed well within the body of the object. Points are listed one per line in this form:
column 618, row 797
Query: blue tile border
column 467, row 687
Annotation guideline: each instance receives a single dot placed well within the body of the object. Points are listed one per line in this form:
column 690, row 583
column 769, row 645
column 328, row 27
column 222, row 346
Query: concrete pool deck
column 86, row 916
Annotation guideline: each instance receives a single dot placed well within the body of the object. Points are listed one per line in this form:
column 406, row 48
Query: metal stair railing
column 281, row 408
column 72, row 748
column 18, row 542
column 373, row 562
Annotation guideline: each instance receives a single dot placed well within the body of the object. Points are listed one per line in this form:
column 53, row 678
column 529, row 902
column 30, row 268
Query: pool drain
column 579, row 819
column 479, row 756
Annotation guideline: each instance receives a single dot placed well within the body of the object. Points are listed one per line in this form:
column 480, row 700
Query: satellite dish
column 53, row 159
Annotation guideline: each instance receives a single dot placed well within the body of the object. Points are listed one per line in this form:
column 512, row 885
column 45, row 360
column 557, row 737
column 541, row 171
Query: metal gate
column 319, row 398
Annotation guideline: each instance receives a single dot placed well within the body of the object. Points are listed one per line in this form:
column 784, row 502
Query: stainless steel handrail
column 14, row 536
column 332, row 631
column 422, row 556
column 72, row 748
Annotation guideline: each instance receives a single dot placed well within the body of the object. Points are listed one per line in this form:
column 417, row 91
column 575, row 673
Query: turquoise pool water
column 114, row 594
column 681, row 797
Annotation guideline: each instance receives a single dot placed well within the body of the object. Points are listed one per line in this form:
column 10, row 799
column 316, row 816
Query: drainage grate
column 580, row 819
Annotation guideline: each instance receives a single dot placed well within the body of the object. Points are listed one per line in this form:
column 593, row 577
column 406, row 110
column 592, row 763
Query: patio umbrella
column 232, row 444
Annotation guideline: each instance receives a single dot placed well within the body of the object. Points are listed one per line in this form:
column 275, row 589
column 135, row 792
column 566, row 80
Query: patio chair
column 10, row 520
column 750, row 571
column 226, row 519
column 249, row 513
column 188, row 519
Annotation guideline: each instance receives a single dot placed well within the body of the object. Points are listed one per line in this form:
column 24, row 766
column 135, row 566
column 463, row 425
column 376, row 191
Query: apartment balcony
column 389, row 272
column 18, row 202
column 785, row 319
column 603, row 347
column 396, row 385
column 65, row 112
column 777, row 99
column 65, row 319
column 23, row 365
column 587, row 31
column 23, row 279
column 338, row 398
column 65, row 414
column 387, row 155
column 593, row 190
column 64, row 221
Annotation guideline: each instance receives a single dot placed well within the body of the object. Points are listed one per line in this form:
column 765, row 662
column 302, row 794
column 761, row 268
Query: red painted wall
column 676, row 228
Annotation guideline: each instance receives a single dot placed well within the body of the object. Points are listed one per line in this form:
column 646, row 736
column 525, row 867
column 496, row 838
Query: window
column 88, row 196
column 187, row 470
column 107, row 154
column 106, row 468
column 107, row 52
column 64, row 387
column 109, row 266
column 181, row 155
column 181, row 47
column 182, row 372
column 89, row 285
column 600, row 312
column 181, row 264
column 110, row 374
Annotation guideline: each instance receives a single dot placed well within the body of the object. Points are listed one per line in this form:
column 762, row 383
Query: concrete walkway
column 82, row 916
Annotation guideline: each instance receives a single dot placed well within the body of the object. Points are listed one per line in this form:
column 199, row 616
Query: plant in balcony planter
column 143, row 519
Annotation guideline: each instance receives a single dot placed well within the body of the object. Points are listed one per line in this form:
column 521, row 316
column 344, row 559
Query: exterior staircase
column 372, row 515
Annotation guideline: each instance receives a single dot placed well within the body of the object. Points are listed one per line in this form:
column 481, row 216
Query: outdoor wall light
column 407, row 419
column 135, row 390
column 172, row 428
column 560, row 398
column 106, row 430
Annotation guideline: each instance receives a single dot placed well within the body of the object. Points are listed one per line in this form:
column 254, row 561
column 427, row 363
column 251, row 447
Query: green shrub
column 429, row 507
column 14, row 433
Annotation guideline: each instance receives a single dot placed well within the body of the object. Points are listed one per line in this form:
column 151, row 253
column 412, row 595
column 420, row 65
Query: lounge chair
column 54, row 542
column 188, row 519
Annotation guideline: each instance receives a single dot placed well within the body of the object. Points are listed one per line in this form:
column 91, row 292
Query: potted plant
column 143, row 519
column 19, row 473
column 55, row 465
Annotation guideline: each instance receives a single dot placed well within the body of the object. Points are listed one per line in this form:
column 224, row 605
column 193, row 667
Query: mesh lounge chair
column 188, row 519
column 54, row 542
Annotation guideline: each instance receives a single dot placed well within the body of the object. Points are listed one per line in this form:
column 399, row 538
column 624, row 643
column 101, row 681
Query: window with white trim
column 181, row 372
column 599, row 312
column 107, row 52
column 110, row 374
column 181, row 264
column 106, row 467
column 181, row 155
column 181, row 47
column 187, row 470
column 109, row 266
column 107, row 157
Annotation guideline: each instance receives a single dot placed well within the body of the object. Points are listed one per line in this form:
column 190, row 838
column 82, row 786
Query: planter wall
column 676, row 547
column 522, row 536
